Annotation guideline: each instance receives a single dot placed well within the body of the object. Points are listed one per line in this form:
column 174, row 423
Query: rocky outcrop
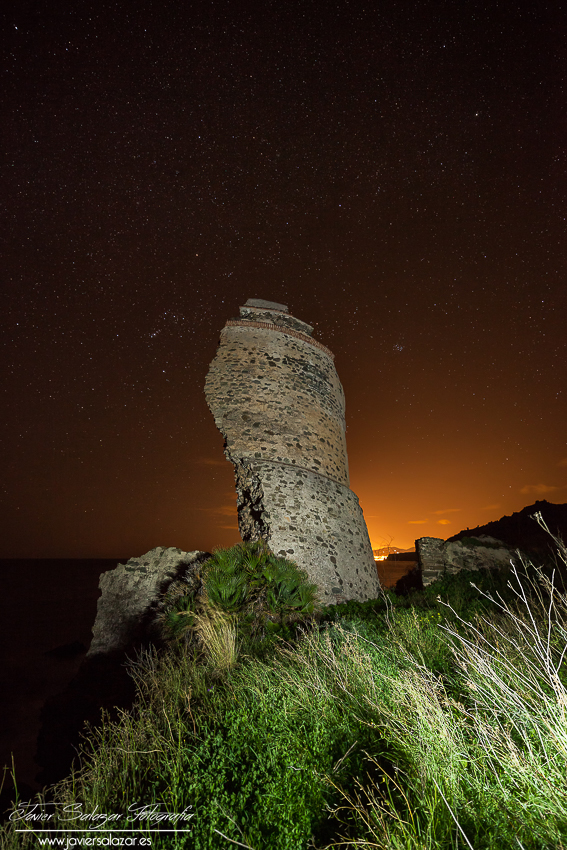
column 438, row 558
column 276, row 398
column 131, row 595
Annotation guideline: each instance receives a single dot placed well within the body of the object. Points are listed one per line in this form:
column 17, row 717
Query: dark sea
column 47, row 610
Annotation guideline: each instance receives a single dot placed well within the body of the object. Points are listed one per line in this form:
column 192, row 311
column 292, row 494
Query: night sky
column 394, row 172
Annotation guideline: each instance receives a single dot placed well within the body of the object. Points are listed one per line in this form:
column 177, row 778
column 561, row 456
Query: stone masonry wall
column 438, row 558
column 276, row 397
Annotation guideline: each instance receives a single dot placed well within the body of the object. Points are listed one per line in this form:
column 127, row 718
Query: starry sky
column 394, row 172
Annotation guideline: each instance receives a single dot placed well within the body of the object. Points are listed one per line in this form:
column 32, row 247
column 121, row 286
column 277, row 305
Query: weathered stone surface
column 262, row 304
column 131, row 594
column 276, row 398
column 438, row 558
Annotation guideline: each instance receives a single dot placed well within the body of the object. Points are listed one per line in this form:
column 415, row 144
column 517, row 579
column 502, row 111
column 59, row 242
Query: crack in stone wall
column 253, row 518
column 277, row 399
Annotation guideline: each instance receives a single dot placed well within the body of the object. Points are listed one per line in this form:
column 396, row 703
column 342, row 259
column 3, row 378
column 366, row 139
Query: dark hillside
column 522, row 532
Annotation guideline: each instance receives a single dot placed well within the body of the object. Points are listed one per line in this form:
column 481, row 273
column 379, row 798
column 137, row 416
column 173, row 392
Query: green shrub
column 179, row 617
column 263, row 593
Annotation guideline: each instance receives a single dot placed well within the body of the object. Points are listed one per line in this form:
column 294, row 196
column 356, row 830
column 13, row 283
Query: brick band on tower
column 276, row 397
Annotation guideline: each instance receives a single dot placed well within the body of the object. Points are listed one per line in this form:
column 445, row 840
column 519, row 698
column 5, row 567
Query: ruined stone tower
column 276, row 398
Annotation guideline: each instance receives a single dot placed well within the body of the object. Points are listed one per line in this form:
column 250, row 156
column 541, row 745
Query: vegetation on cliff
column 417, row 722
column 246, row 590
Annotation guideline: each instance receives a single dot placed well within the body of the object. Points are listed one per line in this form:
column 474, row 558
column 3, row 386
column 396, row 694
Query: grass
column 422, row 722
column 218, row 633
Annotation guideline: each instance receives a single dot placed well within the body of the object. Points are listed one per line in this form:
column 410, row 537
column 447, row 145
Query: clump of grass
column 486, row 770
column 218, row 633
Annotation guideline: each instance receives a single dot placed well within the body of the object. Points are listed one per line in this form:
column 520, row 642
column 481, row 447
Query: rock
column 438, row 558
column 131, row 596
